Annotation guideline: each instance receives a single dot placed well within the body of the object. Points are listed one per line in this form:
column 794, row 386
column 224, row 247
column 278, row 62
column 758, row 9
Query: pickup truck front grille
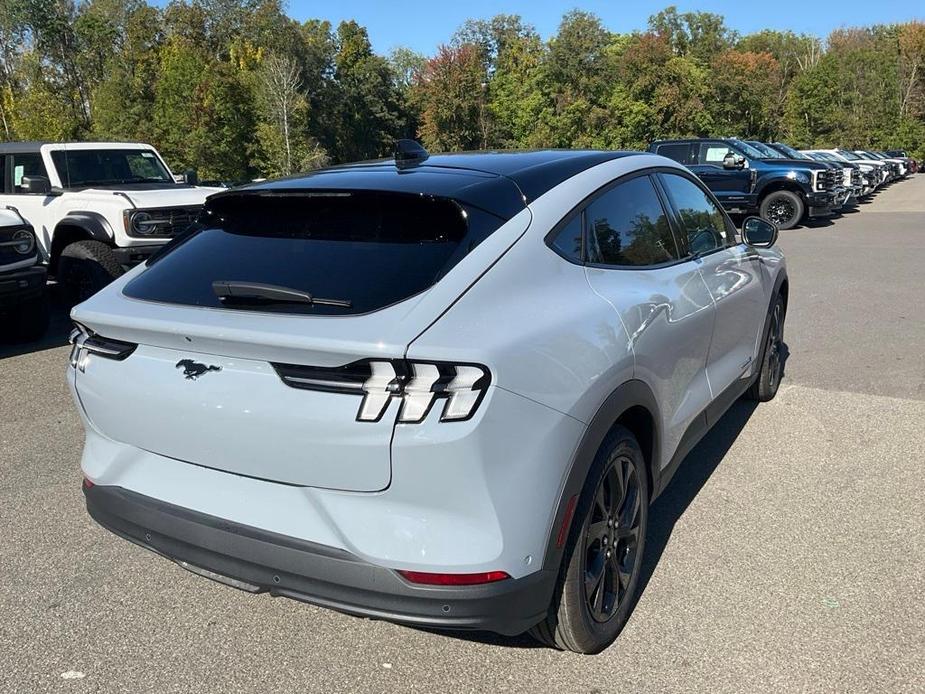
column 856, row 177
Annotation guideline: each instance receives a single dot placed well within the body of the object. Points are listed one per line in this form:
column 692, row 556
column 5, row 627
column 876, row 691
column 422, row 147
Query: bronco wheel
column 772, row 363
column 84, row 268
column 783, row 208
column 601, row 566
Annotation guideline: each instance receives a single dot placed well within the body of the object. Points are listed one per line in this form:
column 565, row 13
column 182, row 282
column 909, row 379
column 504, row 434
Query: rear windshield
column 351, row 252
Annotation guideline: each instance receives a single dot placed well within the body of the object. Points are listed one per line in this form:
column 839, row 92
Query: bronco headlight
column 23, row 242
column 141, row 222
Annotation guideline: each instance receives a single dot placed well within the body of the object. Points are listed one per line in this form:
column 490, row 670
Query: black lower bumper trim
column 258, row 560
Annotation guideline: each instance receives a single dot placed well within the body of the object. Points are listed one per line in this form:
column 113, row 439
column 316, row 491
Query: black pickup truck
column 783, row 191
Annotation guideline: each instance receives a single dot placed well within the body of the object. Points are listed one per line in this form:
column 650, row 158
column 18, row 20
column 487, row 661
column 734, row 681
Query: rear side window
column 627, row 226
column 567, row 242
column 363, row 250
column 681, row 153
column 703, row 223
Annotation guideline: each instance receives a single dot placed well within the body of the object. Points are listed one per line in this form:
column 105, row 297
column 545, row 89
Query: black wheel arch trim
column 95, row 224
column 631, row 394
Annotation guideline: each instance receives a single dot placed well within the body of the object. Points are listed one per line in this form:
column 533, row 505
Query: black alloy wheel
column 611, row 540
column 783, row 208
column 772, row 357
column 602, row 561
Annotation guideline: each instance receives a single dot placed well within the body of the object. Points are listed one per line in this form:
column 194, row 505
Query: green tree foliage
column 450, row 93
column 193, row 77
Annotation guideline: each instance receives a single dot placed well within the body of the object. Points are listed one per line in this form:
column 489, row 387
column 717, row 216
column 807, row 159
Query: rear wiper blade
column 232, row 290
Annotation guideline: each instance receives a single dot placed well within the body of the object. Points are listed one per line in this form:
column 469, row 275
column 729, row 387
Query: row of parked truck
column 86, row 212
column 784, row 185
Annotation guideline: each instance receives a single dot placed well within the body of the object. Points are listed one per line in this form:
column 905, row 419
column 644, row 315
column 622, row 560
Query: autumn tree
column 449, row 94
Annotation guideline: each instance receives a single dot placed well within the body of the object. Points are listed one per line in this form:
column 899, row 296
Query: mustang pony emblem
column 193, row 369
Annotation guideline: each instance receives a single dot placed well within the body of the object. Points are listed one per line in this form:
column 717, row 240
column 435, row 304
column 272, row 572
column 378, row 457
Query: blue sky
column 423, row 25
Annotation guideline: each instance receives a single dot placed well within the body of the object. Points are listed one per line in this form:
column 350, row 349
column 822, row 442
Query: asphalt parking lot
column 786, row 555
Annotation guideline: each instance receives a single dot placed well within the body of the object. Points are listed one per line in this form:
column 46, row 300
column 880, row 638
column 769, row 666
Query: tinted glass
column 851, row 156
column 704, row 224
column 681, row 153
column 628, row 227
column 790, row 151
column 568, row 241
column 371, row 249
column 26, row 165
column 87, row 167
column 768, row 152
column 746, row 149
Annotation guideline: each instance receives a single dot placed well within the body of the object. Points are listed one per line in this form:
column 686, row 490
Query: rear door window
column 680, row 152
column 627, row 227
column 364, row 250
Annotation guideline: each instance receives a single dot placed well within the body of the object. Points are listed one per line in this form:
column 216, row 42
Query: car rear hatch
column 193, row 357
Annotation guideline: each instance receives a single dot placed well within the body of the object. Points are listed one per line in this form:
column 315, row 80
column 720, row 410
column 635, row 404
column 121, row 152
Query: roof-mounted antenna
column 409, row 153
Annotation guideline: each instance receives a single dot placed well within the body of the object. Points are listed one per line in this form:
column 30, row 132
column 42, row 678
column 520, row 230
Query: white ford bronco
column 98, row 208
column 23, row 309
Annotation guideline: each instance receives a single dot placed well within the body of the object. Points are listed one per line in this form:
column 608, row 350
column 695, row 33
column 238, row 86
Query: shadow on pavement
column 59, row 328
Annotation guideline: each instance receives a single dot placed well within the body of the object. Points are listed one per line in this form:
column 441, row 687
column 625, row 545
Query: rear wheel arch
column 633, row 406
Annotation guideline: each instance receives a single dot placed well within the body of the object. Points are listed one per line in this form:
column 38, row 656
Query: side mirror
column 759, row 232
column 192, row 177
column 733, row 161
column 36, row 185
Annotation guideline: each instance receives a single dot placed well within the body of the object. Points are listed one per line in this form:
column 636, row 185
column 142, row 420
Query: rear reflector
column 566, row 522
column 454, row 579
column 88, row 484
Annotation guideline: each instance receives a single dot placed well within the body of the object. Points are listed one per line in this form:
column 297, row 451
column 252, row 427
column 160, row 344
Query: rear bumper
column 263, row 561
column 22, row 285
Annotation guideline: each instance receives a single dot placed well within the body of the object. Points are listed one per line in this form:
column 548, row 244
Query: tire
column 588, row 622
column 772, row 364
column 84, row 268
column 783, row 208
column 29, row 320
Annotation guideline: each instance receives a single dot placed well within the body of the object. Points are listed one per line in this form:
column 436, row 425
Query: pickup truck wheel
column 84, row 268
column 600, row 570
column 783, row 208
column 29, row 320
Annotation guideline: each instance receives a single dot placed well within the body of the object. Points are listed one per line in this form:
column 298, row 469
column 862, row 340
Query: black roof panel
column 499, row 182
column 21, row 147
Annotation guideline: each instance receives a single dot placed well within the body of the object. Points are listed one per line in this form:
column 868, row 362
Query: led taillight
column 439, row 579
column 417, row 384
